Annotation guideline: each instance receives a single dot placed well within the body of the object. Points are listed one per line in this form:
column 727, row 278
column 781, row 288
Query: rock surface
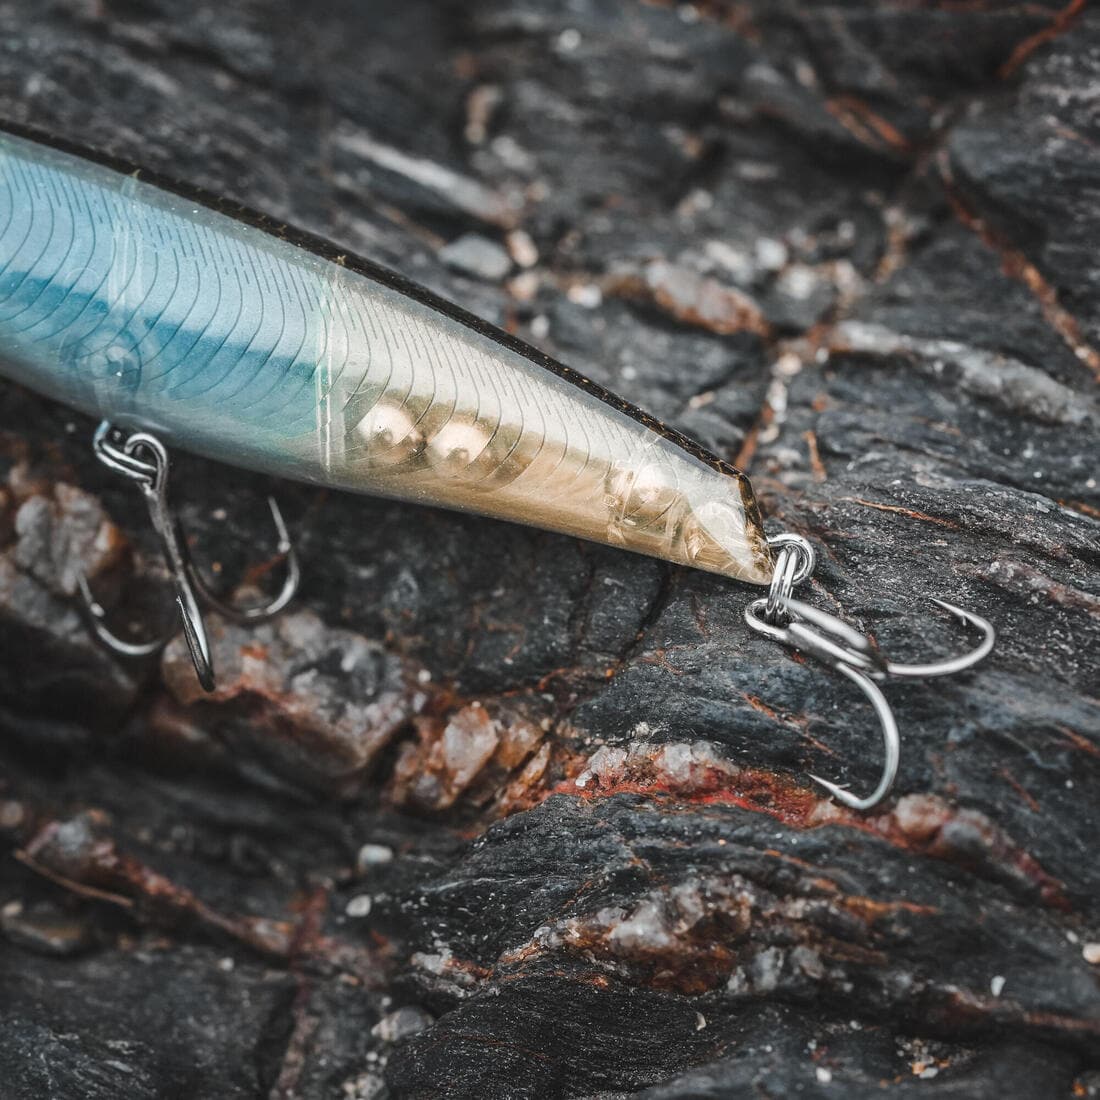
column 492, row 813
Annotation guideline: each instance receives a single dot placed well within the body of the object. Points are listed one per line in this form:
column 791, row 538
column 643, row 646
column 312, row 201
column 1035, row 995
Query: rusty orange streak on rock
column 1017, row 266
column 1082, row 507
column 752, row 439
column 816, row 464
column 969, row 1006
column 78, row 855
column 899, row 510
column 865, row 125
column 691, row 298
column 761, row 707
column 659, row 657
column 920, row 823
column 799, row 722
column 1058, row 25
column 1079, row 741
column 754, row 789
column 81, row 889
column 1022, row 791
column 868, row 909
column 917, row 823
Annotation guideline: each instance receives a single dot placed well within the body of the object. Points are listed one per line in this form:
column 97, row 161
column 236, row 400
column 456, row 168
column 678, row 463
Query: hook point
column 284, row 549
column 841, row 793
column 97, row 620
column 955, row 664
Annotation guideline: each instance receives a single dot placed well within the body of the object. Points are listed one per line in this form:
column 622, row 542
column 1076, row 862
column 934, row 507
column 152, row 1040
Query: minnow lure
column 214, row 329
column 136, row 304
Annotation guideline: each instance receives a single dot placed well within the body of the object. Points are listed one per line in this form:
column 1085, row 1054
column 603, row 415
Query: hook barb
column 285, row 550
column 953, row 664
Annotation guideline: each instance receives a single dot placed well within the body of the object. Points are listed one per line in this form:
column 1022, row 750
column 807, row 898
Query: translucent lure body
column 248, row 343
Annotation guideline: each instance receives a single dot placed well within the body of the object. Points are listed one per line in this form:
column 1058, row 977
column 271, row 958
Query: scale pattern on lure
column 137, row 304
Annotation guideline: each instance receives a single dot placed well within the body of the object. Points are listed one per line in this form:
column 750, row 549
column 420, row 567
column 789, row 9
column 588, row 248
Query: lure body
column 132, row 302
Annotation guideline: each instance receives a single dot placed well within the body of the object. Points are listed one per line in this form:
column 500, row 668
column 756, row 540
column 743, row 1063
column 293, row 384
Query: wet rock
column 297, row 702
column 81, row 854
column 212, row 1050
column 51, row 533
column 64, row 535
column 1015, row 386
column 530, row 1059
column 477, row 750
column 844, row 245
column 801, row 296
column 400, row 1024
column 44, row 929
column 477, row 256
column 691, row 298
column 758, row 914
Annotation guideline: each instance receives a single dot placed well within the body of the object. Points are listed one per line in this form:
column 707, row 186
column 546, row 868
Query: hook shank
column 891, row 745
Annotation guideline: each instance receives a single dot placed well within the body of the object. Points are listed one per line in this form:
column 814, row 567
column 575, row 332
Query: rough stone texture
column 496, row 814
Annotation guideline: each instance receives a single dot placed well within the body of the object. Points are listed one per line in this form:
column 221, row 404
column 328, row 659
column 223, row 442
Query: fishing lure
column 182, row 321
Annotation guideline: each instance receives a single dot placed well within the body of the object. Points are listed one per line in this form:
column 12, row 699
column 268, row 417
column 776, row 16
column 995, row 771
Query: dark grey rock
column 849, row 246
column 478, row 256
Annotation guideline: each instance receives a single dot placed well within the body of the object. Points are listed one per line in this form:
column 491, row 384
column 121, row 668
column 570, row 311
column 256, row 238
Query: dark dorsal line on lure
column 326, row 250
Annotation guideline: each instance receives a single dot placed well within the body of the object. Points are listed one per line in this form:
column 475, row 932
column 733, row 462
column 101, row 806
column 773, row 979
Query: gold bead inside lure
column 250, row 343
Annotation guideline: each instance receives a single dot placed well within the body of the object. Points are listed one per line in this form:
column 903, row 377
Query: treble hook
column 820, row 634
column 143, row 458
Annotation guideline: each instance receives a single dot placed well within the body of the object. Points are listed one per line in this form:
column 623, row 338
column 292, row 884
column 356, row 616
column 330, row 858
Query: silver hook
column 831, row 640
column 143, row 458
column 891, row 745
column 285, row 550
column 955, row 664
column 835, row 642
